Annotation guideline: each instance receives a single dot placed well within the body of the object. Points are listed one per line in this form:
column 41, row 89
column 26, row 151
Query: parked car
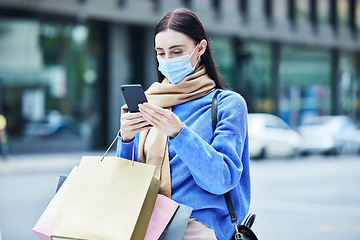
column 329, row 135
column 53, row 122
column 270, row 136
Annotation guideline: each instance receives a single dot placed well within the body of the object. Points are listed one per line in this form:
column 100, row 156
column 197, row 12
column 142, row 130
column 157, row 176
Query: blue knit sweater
column 205, row 164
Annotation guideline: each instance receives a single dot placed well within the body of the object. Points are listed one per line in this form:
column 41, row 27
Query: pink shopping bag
column 163, row 211
column 47, row 220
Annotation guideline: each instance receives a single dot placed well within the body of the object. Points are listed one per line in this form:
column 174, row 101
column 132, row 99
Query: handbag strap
column 248, row 222
column 227, row 196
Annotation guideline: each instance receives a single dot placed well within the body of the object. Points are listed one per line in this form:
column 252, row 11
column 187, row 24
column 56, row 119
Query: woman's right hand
column 131, row 123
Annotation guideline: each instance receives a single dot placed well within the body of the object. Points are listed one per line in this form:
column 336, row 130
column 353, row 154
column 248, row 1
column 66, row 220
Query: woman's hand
column 131, row 123
column 164, row 120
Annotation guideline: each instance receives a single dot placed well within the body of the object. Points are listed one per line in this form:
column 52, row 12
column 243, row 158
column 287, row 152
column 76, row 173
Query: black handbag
column 243, row 231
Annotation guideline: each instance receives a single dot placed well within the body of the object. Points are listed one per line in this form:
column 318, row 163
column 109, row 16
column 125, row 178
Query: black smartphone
column 133, row 95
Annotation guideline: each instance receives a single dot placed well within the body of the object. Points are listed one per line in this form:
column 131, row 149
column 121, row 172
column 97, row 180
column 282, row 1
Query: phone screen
column 133, row 95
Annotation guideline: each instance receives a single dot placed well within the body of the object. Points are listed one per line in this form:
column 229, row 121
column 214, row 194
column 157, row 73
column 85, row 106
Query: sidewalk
column 34, row 155
column 45, row 162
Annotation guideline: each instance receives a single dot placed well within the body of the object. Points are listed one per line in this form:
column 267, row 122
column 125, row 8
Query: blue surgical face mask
column 176, row 69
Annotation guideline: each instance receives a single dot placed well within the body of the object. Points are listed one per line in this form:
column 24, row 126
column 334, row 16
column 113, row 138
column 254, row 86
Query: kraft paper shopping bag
column 109, row 199
column 163, row 212
column 46, row 222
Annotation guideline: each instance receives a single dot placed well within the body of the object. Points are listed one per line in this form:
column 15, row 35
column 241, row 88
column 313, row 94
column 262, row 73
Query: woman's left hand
column 162, row 119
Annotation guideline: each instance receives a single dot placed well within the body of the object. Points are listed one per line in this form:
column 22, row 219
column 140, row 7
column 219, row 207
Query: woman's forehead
column 167, row 39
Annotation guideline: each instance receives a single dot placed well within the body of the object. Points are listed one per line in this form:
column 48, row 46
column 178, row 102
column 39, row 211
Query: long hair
column 185, row 21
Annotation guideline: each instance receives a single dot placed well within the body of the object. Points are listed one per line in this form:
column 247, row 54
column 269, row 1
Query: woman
column 195, row 165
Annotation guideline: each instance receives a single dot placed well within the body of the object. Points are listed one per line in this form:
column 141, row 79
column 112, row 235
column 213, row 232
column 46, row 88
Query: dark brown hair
column 185, row 21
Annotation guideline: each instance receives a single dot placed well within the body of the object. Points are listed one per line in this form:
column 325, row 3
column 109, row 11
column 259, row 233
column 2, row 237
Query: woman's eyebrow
column 174, row 46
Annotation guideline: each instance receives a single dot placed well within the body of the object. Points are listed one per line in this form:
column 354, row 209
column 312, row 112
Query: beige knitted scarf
column 153, row 147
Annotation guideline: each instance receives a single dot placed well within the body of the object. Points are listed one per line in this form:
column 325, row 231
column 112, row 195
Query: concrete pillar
column 357, row 85
column 335, row 82
column 275, row 76
column 118, row 75
column 150, row 72
column 98, row 116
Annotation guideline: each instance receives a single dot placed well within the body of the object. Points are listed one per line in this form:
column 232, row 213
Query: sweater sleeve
column 125, row 149
column 217, row 166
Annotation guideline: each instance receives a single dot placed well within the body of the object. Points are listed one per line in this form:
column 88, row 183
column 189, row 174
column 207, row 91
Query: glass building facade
column 50, row 86
column 61, row 68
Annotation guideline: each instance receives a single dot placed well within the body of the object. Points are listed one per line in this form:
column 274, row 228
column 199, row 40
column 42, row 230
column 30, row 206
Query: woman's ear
column 202, row 47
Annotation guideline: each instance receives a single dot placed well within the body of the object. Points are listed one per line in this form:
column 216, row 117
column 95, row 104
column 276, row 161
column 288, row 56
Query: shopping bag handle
column 117, row 136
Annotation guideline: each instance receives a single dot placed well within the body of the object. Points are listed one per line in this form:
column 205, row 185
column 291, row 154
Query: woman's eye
column 177, row 52
column 160, row 54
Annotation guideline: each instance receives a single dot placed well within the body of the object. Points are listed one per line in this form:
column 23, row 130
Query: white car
column 329, row 135
column 270, row 136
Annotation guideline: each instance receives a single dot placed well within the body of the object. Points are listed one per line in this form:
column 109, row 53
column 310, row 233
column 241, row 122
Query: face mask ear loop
column 194, row 50
column 197, row 60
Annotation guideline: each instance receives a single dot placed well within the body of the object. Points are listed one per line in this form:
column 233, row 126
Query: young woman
column 195, row 165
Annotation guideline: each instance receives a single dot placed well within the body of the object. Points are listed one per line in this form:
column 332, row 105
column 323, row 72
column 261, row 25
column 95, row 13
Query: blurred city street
column 311, row 197
column 295, row 63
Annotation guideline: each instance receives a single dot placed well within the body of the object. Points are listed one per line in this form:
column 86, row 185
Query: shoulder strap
column 214, row 110
column 228, row 200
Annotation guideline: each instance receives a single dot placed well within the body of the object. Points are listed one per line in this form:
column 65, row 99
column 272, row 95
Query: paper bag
column 163, row 212
column 176, row 228
column 46, row 222
column 62, row 179
column 109, row 199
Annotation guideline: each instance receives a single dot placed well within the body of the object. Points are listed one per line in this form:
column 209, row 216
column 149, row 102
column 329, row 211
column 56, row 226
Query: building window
column 333, row 14
column 216, row 4
column 244, row 9
column 268, row 10
column 313, row 16
column 254, row 76
column 47, row 75
column 292, row 11
column 305, row 83
column 323, row 14
column 302, row 11
column 352, row 16
column 224, row 57
column 349, row 86
column 187, row 3
column 357, row 15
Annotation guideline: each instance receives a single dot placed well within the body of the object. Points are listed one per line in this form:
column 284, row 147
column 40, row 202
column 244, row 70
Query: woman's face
column 171, row 44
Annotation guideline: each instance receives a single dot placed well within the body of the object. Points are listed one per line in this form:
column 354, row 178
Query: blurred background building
column 62, row 61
